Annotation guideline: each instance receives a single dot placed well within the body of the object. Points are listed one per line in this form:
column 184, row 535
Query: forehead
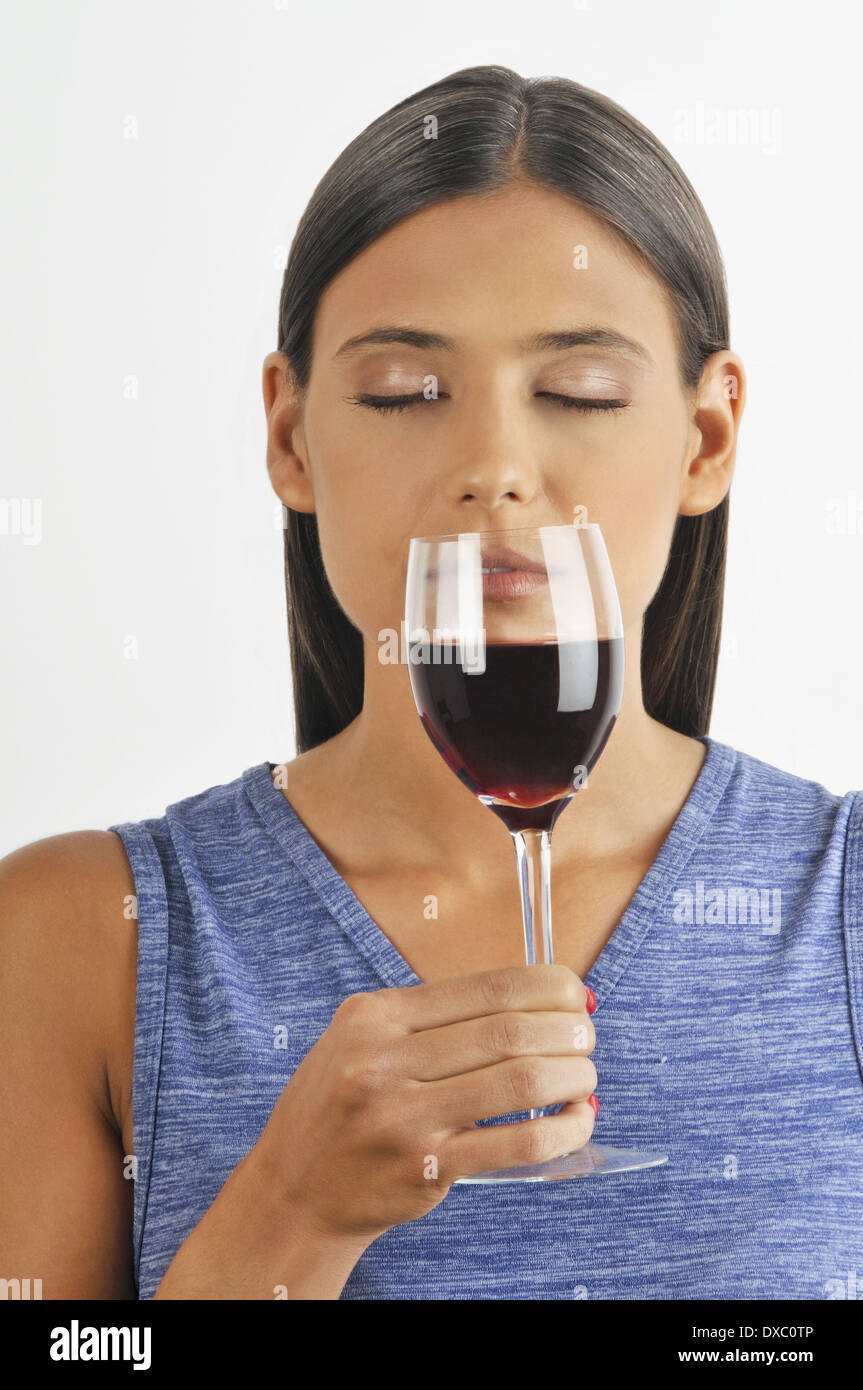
column 490, row 269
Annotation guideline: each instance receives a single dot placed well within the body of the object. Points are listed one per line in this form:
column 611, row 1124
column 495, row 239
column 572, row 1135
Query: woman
column 315, row 1055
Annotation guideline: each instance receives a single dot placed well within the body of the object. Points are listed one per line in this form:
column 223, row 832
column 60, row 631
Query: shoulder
column 68, row 943
column 67, row 865
column 79, row 878
column 770, row 802
column 211, row 819
column 777, row 828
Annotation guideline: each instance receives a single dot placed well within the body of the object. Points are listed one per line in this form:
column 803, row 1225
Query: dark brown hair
column 493, row 127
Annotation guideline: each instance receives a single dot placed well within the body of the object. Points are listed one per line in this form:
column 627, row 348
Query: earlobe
column 287, row 455
column 291, row 481
column 708, row 468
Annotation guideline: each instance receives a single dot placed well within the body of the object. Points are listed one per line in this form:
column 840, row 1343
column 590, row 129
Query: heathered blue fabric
column 734, row 1047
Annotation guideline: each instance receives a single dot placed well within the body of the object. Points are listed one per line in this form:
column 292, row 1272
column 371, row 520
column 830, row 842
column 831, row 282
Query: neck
column 384, row 789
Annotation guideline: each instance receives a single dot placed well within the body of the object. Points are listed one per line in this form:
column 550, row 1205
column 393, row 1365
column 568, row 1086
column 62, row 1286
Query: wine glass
column 515, row 647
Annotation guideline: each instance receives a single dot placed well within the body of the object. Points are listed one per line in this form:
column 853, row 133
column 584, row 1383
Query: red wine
column 518, row 732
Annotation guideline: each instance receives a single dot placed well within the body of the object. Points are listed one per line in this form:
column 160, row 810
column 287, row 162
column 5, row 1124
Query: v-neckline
column 304, row 853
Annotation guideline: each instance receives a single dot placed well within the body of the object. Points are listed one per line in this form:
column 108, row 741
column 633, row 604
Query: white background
column 160, row 258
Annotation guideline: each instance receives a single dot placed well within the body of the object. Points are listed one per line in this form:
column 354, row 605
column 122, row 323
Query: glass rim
column 512, row 531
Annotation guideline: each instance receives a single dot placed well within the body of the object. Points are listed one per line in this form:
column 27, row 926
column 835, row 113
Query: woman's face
column 486, row 275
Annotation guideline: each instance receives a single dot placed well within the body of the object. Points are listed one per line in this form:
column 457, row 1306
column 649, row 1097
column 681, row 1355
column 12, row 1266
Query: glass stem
column 533, row 853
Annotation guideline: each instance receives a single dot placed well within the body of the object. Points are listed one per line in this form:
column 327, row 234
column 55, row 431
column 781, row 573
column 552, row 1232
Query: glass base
column 592, row 1160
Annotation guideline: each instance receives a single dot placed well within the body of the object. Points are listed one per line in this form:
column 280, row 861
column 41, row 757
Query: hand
column 378, row 1119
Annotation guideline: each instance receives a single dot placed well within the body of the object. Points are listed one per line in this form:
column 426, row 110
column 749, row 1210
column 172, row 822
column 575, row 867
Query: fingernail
column 593, row 1102
column 591, row 999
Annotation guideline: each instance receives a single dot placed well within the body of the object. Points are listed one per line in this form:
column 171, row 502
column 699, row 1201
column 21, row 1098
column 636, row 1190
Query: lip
column 505, row 585
column 502, row 558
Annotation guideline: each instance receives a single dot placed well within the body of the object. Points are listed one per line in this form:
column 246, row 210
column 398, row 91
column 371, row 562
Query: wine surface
column 522, row 734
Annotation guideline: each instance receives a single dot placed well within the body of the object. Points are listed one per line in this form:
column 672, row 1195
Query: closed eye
column 583, row 403
column 383, row 404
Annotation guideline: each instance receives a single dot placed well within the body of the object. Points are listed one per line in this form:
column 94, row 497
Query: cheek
column 363, row 485
column 364, row 507
column 359, row 539
column 638, row 521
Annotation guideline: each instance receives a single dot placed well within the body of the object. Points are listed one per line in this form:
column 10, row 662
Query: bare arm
column 68, row 965
column 66, row 1213
column 249, row 1245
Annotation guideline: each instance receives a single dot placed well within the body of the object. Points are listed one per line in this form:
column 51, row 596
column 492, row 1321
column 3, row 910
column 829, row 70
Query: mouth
column 506, row 574
column 504, row 585
column 504, row 560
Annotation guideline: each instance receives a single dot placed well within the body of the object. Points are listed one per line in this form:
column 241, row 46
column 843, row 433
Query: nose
column 490, row 485
column 492, row 463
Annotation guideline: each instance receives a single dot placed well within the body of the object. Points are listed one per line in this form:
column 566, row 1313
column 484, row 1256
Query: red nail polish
column 591, row 999
column 593, row 1102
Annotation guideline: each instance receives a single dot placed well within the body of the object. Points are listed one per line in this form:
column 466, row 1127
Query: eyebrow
column 557, row 341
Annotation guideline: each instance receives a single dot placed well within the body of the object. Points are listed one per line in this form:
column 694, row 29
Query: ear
column 717, row 408
column 287, row 455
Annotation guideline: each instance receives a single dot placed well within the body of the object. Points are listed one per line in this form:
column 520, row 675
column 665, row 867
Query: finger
column 480, row 1042
column 516, row 1145
column 521, row 1083
column 520, row 987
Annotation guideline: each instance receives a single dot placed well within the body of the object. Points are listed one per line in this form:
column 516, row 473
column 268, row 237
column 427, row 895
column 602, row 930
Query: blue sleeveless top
column 729, row 1034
